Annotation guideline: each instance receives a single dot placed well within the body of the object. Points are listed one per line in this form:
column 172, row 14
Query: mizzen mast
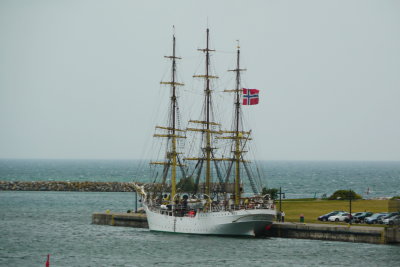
column 238, row 134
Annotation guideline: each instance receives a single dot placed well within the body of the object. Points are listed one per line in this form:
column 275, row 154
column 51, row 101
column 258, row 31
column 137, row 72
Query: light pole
column 136, row 204
column 280, row 202
column 350, row 196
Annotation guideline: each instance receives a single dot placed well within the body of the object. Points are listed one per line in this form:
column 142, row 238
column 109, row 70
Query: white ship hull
column 250, row 222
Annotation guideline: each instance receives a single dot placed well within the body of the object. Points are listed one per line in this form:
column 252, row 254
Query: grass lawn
column 311, row 209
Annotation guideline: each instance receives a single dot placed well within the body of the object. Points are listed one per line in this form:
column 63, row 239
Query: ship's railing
column 222, row 207
column 176, row 210
column 182, row 211
column 251, row 206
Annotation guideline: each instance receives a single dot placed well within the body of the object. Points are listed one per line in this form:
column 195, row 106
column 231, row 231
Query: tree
column 273, row 192
column 185, row 185
column 344, row 195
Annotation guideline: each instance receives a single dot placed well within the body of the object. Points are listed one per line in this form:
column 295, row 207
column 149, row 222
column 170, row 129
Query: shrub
column 344, row 195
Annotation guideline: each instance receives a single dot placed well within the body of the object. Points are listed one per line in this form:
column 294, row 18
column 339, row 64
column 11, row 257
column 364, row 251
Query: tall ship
column 200, row 188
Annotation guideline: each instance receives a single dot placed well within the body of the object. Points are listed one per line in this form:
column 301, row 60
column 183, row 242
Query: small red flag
column 48, row 260
column 250, row 96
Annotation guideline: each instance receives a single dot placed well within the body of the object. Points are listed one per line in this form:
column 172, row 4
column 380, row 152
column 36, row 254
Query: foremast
column 207, row 91
column 172, row 154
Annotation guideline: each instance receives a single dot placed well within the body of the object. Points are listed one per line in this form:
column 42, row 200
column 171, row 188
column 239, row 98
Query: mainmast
column 208, row 135
column 207, row 123
column 172, row 155
column 173, row 102
column 238, row 152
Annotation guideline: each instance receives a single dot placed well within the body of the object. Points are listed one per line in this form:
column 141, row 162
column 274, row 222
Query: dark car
column 325, row 217
column 374, row 218
column 388, row 216
column 359, row 218
column 351, row 217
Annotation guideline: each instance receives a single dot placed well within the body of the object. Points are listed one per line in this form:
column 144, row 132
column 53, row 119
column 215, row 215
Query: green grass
column 312, row 208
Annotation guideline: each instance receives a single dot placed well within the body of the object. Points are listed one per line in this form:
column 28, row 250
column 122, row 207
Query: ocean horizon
column 298, row 179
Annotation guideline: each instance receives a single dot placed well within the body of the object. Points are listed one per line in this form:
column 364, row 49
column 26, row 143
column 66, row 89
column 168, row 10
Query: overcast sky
column 80, row 79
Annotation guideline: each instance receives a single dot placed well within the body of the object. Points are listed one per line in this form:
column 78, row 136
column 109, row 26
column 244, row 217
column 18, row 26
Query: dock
column 137, row 220
column 334, row 232
column 328, row 232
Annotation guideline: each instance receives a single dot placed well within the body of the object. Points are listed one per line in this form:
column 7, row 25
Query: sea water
column 298, row 179
column 34, row 224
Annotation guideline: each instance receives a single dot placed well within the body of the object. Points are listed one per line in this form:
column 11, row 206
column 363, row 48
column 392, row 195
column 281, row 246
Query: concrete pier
column 331, row 232
column 138, row 220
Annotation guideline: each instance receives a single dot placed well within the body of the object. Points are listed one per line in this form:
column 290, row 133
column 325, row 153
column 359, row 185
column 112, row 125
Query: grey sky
column 78, row 79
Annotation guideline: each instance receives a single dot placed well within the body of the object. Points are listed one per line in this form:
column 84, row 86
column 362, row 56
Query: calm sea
column 34, row 224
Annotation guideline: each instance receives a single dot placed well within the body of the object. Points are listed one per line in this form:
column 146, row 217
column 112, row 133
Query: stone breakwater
column 66, row 186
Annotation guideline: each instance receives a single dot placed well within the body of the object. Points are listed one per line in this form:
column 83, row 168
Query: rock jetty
column 66, row 186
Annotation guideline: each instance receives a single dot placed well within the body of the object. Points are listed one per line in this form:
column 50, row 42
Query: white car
column 392, row 220
column 340, row 217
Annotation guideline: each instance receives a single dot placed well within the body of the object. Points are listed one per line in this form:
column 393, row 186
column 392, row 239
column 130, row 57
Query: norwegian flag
column 250, row 96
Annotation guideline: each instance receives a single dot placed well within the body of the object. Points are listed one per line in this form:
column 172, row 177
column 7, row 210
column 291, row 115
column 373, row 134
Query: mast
column 208, row 135
column 238, row 152
column 206, row 122
column 237, row 133
column 173, row 102
column 172, row 155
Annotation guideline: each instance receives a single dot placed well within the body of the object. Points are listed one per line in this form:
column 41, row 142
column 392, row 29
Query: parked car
column 356, row 214
column 325, row 217
column 388, row 216
column 374, row 218
column 360, row 217
column 340, row 217
column 351, row 217
column 394, row 220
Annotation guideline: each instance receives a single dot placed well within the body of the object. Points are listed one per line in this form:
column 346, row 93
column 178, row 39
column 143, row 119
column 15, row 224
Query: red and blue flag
column 250, row 96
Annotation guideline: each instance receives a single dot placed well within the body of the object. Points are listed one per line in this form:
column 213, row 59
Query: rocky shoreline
column 66, row 186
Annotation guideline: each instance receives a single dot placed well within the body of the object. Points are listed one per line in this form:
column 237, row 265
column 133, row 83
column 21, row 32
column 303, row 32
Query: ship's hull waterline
column 251, row 222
